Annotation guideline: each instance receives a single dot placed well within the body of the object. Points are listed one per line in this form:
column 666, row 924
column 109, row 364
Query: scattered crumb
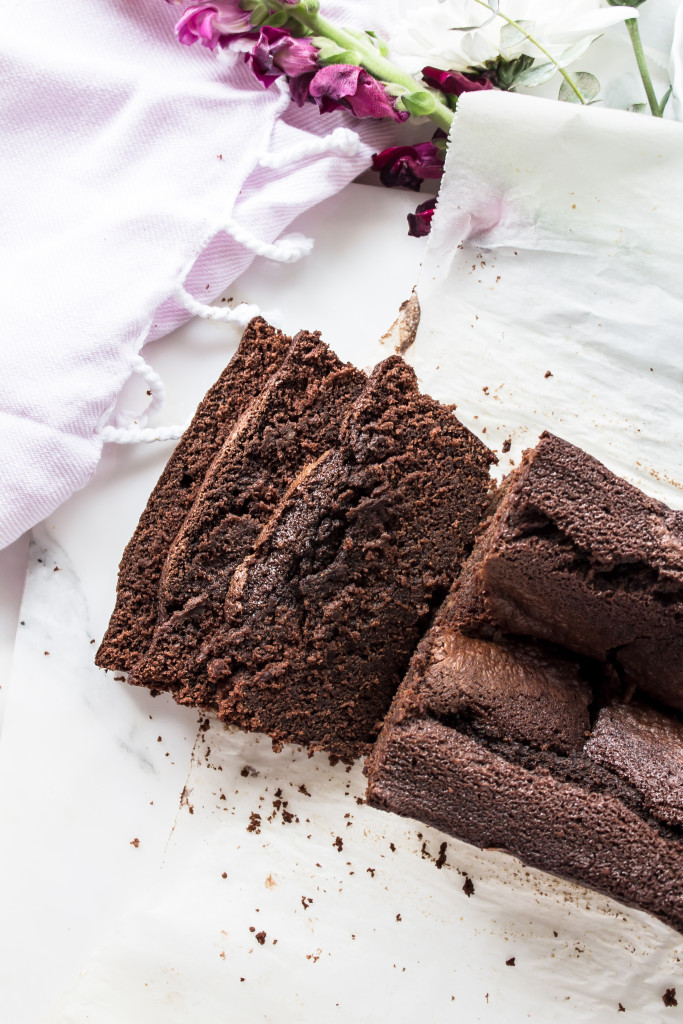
column 669, row 997
column 485, row 390
column 468, row 886
column 252, row 928
column 254, row 823
column 224, row 875
column 241, row 979
column 302, row 789
column 158, row 739
column 204, row 726
column 398, row 917
column 622, row 1009
column 441, row 859
column 56, row 569
column 47, row 652
column 270, row 882
column 506, row 445
column 248, row 770
column 306, row 902
column 547, row 374
column 371, row 872
column 136, row 842
column 555, row 934
column 510, row 962
column 260, row 938
column 339, row 843
column 92, row 641
column 392, row 847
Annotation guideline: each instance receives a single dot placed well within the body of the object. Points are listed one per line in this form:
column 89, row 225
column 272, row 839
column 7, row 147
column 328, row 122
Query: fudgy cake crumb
column 494, row 743
column 577, row 556
column 261, row 350
column 321, row 620
column 294, row 420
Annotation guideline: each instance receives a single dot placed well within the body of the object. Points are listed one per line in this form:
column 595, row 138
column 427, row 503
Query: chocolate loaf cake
column 492, row 743
column 321, row 620
column 296, row 418
column 261, row 350
column 577, row 556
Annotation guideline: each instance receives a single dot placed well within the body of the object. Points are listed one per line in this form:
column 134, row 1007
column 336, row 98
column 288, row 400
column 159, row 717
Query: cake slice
column 321, row 620
column 492, row 743
column 296, row 418
column 578, row 556
column 261, row 351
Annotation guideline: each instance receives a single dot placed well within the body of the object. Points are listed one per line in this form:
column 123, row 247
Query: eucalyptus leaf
column 637, row 108
column 512, row 35
column 537, row 75
column 665, row 99
column 572, row 53
column 419, row 103
column 587, row 84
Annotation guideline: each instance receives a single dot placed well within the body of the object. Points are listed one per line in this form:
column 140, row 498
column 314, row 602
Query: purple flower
column 408, row 166
column 455, row 83
column 344, row 86
column 277, row 52
column 420, row 222
column 211, row 24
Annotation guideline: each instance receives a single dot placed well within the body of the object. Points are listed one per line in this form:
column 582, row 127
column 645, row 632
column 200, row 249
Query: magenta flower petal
column 408, row 166
column 346, row 86
column 455, row 83
column 420, row 222
column 277, row 52
column 212, row 24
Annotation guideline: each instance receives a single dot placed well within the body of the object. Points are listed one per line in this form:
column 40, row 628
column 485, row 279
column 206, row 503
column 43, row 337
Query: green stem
column 369, row 58
column 567, row 77
column 634, row 32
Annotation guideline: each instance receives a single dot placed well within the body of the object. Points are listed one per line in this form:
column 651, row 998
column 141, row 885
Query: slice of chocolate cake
column 261, row 351
column 488, row 742
column 321, row 620
column 296, row 419
column 578, row 556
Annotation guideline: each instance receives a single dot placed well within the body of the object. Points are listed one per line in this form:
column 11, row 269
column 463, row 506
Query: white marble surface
column 151, row 931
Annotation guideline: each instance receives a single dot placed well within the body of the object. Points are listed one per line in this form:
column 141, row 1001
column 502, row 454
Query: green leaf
column 512, row 35
column 587, row 84
column 419, row 104
column 508, row 71
column 637, row 108
column 536, row 75
column 340, row 57
column 665, row 99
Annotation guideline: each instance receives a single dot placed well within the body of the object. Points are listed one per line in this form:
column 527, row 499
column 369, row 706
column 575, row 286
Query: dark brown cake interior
column 296, row 418
column 603, row 810
column 132, row 623
column 577, row 556
column 321, row 620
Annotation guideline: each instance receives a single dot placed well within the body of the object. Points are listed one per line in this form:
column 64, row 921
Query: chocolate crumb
column 506, row 445
column 248, row 770
column 224, row 875
column 371, row 872
column 622, row 1009
column 398, row 917
column 260, row 938
column 510, row 962
column 669, row 997
column 468, row 887
column 302, row 789
column 252, row 928
column 306, row 902
column 204, row 726
column 254, row 822
column 339, row 843
column 441, row 859
column 547, row 374
column 392, row 847
column 136, row 842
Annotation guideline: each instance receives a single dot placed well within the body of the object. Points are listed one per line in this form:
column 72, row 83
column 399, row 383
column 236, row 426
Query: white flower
column 460, row 34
